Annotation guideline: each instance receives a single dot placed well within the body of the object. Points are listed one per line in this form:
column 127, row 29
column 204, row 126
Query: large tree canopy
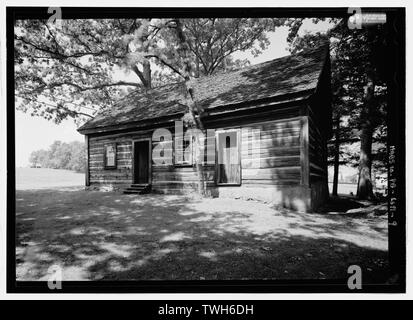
column 68, row 70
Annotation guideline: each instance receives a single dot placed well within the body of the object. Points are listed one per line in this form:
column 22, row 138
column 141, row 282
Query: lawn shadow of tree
column 108, row 236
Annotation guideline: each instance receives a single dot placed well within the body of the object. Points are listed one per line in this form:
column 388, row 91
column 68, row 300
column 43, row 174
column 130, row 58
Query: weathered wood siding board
column 278, row 162
column 168, row 149
column 178, row 175
column 272, row 173
column 87, row 173
column 110, row 181
column 269, row 183
column 253, row 116
column 319, row 111
column 319, row 115
column 271, row 162
column 123, row 173
column 317, row 150
column 170, row 178
column 274, row 151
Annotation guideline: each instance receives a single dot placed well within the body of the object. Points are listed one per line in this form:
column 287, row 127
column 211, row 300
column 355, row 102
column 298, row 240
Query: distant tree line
column 61, row 155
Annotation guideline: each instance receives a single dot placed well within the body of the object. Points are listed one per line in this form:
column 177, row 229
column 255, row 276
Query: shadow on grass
column 341, row 204
column 95, row 235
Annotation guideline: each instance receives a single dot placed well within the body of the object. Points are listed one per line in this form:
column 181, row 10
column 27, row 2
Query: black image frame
column 396, row 137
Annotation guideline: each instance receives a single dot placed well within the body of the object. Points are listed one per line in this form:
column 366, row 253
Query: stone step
column 137, row 189
column 139, row 185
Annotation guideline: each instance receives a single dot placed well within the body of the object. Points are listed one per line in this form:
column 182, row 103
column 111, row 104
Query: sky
column 34, row 133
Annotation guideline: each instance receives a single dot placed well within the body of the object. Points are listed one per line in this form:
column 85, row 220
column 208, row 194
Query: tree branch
column 140, row 75
column 66, row 56
column 100, row 86
column 57, row 106
column 165, row 63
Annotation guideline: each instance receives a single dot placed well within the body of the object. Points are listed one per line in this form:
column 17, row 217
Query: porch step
column 138, row 189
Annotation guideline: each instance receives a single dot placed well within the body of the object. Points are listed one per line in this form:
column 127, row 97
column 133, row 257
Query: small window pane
column 187, row 152
column 228, row 142
column 110, row 156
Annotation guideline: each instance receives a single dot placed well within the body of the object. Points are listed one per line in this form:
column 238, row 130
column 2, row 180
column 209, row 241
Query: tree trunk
column 197, row 66
column 336, row 157
column 365, row 186
column 147, row 74
column 193, row 110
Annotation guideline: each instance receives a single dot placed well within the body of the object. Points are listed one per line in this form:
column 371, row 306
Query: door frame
column 217, row 132
column 149, row 156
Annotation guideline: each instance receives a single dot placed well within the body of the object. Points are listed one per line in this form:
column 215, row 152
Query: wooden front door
column 141, row 163
column 229, row 162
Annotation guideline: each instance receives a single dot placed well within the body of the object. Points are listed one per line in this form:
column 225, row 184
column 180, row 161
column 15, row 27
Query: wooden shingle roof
column 283, row 76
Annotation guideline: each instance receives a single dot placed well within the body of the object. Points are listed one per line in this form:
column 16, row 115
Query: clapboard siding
column 317, row 150
column 246, row 118
column 274, row 160
column 272, row 151
column 159, row 176
column 175, row 178
column 123, row 172
column 271, row 162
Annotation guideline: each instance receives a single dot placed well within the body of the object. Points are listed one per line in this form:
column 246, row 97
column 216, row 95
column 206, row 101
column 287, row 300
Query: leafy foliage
column 67, row 71
column 356, row 61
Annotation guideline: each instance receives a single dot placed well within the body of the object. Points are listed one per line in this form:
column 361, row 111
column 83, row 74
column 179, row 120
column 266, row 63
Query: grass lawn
column 43, row 178
column 104, row 235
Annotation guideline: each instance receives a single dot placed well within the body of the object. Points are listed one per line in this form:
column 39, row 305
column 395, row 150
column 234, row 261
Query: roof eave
column 224, row 109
